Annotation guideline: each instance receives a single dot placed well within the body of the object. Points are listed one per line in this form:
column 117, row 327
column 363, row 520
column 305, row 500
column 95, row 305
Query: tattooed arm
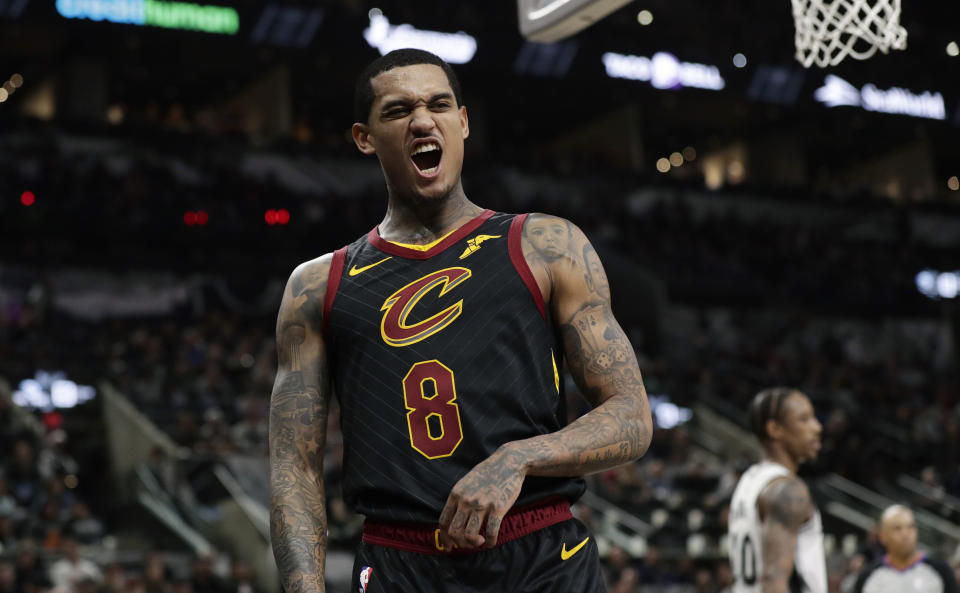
column 599, row 356
column 603, row 364
column 298, row 426
column 785, row 506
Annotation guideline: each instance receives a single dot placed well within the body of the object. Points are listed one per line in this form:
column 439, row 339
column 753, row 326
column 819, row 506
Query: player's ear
column 773, row 428
column 464, row 122
column 361, row 137
column 881, row 535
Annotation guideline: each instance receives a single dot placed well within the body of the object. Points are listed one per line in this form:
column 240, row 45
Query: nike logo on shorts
column 566, row 555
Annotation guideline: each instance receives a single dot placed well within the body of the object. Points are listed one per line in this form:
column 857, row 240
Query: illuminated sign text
column 663, row 71
column 837, row 91
column 456, row 48
column 154, row 13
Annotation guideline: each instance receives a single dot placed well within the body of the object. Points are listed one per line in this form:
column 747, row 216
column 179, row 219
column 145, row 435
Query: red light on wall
column 202, row 217
column 189, row 218
column 283, row 216
column 27, row 198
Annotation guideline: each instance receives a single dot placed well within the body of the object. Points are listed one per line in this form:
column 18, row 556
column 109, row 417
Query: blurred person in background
column 204, row 579
column 776, row 536
column 241, row 580
column 23, row 478
column 904, row 568
column 155, row 575
column 71, row 570
column 114, row 578
column 83, row 526
column 8, row 577
column 30, row 568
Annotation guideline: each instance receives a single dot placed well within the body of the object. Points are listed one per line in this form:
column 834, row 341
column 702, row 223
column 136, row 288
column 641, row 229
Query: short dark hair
column 363, row 95
column 767, row 405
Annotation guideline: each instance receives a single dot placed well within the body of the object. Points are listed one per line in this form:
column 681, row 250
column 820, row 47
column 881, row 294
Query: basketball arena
column 773, row 187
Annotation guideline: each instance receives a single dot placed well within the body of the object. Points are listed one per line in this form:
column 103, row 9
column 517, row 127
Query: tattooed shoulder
column 305, row 291
column 788, row 502
column 551, row 239
column 311, row 276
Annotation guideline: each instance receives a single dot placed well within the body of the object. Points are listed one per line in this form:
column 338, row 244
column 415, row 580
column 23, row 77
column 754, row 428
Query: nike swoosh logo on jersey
column 565, row 555
column 473, row 244
column 355, row 270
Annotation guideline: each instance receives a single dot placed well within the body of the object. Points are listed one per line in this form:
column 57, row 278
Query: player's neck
column 421, row 221
column 777, row 454
column 903, row 562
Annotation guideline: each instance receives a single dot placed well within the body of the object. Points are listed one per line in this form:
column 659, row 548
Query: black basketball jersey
column 437, row 358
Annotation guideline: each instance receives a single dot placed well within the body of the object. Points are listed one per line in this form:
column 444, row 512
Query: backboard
column 552, row 20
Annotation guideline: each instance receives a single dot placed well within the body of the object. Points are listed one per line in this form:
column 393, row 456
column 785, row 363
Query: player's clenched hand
column 480, row 500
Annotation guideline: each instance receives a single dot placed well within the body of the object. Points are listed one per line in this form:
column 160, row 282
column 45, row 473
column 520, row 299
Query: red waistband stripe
column 425, row 538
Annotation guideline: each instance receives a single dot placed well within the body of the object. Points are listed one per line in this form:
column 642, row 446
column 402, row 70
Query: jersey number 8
column 429, row 393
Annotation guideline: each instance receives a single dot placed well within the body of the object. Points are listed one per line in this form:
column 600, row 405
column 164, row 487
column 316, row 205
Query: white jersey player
column 775, row 534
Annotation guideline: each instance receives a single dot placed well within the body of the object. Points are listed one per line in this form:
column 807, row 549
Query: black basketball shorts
column 561, row 558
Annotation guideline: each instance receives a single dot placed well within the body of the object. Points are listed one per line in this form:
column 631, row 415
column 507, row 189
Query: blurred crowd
column 38, row 478
column 32, row 570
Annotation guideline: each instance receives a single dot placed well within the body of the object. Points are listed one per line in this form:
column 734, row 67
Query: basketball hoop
column 830, row 30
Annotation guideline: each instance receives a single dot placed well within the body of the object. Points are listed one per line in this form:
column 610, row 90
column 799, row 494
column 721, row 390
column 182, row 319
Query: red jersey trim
column 520, row 262
column 333, row 283
column 425, row 538
column 374, row 238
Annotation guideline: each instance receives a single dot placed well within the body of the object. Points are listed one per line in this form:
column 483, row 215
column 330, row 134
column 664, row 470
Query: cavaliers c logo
column 393, row 326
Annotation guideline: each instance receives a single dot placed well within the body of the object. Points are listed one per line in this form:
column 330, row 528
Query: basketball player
column 441, row 332
column 904, row 567
column 775, row 534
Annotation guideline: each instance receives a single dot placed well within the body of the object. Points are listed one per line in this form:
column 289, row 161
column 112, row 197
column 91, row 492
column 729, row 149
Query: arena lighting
column 644, row 17
column 953, row 50
column 155, row 13
column 16, row 80
column 456, row 48
column 667, row 414
column 189, row 218
column 689, row 153
column 663, row 165
column 27, row 198
column 739, row 60
column 48, row 391
column 676, row 159
column 953, row 183
column 4, row 95
column 277, row 217
column 933, row 284
column 663, row 71
column 202, row 218
column 898, row 101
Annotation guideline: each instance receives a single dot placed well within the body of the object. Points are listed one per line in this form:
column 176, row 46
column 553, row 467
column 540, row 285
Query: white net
column 830, row 30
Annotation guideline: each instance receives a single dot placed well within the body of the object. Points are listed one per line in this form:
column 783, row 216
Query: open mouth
column 426, row 157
